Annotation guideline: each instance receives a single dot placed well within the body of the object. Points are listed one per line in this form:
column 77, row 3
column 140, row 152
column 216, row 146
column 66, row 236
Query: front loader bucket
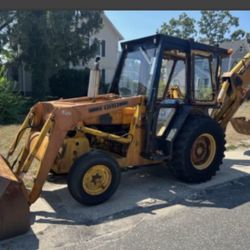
column 241, row 125
column 14, row 208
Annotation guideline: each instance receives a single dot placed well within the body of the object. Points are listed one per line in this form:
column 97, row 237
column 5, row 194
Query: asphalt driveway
column 150, row 210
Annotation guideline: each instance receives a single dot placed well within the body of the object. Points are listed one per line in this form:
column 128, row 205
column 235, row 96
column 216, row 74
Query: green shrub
column 68, row 83
column 10, row 103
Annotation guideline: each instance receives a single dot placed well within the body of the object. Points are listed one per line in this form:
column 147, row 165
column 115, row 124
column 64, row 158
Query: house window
column 102, row 52
column 101, row 49
column 103, row 76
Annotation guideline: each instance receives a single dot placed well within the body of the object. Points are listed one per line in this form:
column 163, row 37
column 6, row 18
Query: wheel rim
column 97, row 180
column 203, row 151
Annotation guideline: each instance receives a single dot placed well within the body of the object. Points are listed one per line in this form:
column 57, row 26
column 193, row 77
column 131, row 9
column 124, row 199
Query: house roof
column 113, row 27
column 240, row 48
column 236, row 45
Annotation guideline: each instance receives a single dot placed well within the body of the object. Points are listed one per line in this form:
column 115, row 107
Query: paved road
column 150, row 210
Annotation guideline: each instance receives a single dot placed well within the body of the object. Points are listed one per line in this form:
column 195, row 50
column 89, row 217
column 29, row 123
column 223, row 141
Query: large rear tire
column 198, row 150
column 94, row 178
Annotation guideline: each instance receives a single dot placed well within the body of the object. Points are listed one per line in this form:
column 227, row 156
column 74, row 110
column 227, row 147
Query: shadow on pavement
column 144, row 190
column 31, row 242
column 247, row 153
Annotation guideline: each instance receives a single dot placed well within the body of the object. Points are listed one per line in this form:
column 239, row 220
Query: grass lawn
column 7, row 135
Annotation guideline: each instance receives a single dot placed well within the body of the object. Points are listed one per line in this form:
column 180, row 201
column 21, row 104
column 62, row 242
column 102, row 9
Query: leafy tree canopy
column 183, row 27
column 46, row 41
column 213, row 27
column 240, row 34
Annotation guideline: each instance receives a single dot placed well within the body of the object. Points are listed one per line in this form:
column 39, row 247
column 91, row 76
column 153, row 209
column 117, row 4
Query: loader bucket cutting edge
column 241, row 125
column 14, row 207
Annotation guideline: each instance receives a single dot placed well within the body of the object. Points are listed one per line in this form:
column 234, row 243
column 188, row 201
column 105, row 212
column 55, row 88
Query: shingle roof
column 240, row 48
column 235, row 45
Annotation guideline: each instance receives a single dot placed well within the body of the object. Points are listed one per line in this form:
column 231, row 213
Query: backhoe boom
column 234, row 91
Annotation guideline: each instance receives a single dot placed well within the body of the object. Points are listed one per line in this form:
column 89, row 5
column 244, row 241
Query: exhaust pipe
column 94, row 80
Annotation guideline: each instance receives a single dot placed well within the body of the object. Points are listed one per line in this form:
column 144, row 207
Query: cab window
column 173, row 75
column 137, row 71
column 204, row 80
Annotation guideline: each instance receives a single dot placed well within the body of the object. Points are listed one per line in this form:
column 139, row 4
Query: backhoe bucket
column 14, row 207
column 241, row 125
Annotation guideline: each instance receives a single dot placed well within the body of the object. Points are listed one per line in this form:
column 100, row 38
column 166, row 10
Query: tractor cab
column 170, row 72
column 161, row 67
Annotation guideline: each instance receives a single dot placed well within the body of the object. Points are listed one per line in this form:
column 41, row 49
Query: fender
column 175, row 126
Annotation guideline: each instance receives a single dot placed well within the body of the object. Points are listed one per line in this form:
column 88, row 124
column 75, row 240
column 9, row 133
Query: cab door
column 171, row 93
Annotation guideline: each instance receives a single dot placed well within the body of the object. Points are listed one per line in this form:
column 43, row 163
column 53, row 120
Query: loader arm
column 234, row 90
column 48, row 124
column 62, row 116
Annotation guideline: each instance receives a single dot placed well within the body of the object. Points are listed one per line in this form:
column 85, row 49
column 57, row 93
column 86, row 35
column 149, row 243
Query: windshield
column 137, row 71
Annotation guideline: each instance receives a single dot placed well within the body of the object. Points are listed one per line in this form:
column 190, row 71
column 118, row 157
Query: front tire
column 94, row 178
column 198, row 150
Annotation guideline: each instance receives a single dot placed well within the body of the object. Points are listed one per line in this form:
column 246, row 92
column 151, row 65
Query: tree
column 216, row 26
column 46, row 41
column 239, row 35
column 11, row 103
column 183, row 27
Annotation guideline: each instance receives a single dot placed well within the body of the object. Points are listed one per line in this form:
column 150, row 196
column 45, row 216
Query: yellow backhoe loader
column 169, row 102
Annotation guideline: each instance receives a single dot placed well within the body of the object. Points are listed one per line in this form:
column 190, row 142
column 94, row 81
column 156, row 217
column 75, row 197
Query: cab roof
column 173, row 43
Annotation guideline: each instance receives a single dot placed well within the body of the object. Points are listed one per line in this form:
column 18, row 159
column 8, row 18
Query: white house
column 109, row 38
